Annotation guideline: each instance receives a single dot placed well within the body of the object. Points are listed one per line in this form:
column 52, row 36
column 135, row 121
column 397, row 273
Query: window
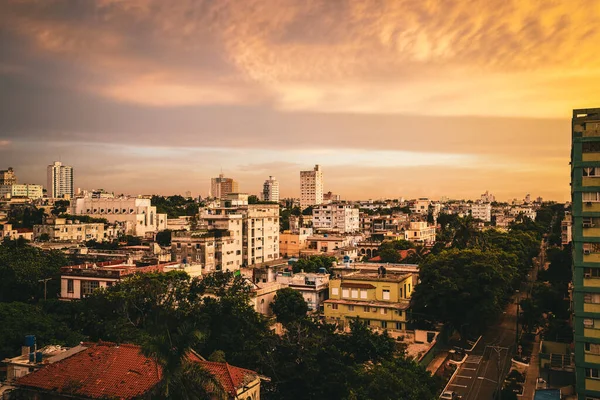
column 588, row 323
column 408, row 289
column 350, row 308
column 591, row 171
column 591, row 298
column 363, row 293
column 592, row 373
column 70, row 286
column 384, row 324
column 591, row 272
column 355, row 293
column 345, row 293
column 367, row 322
column 591, row 248
column 366, row 308
column 386, row 294
column 590, row 147
column 401, row 293
column 399, row 326
column 374, row 309
column 335, row 291
column 384, row 311
column 593, row 348
column 590, row 196
column 87, row 287
column 334, row 306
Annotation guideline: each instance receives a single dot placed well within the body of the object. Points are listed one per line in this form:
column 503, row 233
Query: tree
column 462, row 287
column 21, row 268
column 163, row 238
column 253, row 199
column 44, row 237
column 388, row 255
column 395, row 379
column 289, row 305
column 313, row 264
column 60, row 207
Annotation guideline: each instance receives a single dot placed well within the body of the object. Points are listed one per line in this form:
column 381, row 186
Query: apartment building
column 291, row 244
column 259, row 231
column 420, row 232
column 137, row 213
column 32, row 192
column 62, row 230
column 379, row 298
column 482, row 211
column 420, row 206
column 339, row 218
column 8, row 177
column 270, row 190
column 221, row 187
column 60, row 181
column 311, row 187
column 216, row 246
column 566, row 230
column 585, row 192
column 313, row 287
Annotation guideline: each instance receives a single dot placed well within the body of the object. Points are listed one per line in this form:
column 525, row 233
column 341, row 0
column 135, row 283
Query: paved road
column 477, row 378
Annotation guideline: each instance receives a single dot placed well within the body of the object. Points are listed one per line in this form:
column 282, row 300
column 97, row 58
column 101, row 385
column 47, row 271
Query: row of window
column 382, row 311
column 87, row 287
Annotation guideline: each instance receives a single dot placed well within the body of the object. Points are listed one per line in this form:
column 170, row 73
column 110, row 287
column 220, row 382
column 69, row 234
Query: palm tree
column 182, row 378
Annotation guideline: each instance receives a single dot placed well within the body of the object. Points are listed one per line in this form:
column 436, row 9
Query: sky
column 397, row 98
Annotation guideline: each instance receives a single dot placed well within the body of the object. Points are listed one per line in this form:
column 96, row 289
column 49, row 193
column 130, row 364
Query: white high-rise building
column 311, row 187
column 271, row 190
column 60, row 180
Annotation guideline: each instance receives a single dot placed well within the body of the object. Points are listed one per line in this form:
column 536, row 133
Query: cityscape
column 351, row 200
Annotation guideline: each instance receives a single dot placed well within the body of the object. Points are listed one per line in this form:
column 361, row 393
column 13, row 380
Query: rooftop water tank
column 38, row 356
column 30, row 340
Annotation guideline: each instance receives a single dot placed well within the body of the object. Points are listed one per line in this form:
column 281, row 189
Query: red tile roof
column 232, row 378
column 107, row 370
column 100, row 370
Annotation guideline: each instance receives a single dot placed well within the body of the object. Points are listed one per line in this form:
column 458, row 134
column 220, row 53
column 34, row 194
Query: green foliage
column 20, row 319
column 163, row 238
column 25, row 216
column 289, row 305
column 313, row 264
column 60, row 207
column 175, row 206
column 44, row 237
column 394, row 379
column 253, row 199
column 86, row 219
column 388, row 255
column 464, row 287
column 21, row 268
column 284, row 217
column 307, row 210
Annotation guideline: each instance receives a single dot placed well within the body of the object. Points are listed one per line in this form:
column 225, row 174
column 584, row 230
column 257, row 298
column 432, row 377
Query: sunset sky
column 393, row 98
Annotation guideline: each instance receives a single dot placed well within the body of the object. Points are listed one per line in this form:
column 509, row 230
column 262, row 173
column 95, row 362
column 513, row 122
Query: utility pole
column 45, row 285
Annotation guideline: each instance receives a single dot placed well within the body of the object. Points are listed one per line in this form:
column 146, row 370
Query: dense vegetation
column 175, row 206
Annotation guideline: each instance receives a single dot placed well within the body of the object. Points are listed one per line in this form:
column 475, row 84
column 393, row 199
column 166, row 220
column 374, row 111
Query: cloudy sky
column 393, row 98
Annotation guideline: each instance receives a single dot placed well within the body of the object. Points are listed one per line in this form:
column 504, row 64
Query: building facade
column 311, row 187
column 271, row 190
column 62, row 230
column 482, row 211
column 32, row 192
column 380, row 300
column 341, row 218
column 8, row 177
column 60, row 181
column 420, row 232
column 138, row 214
column 313, row 287
column 585, row 192
column 261, row 233
column 220, row 187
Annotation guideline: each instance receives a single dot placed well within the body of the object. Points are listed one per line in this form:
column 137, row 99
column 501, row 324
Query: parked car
column 450, row 395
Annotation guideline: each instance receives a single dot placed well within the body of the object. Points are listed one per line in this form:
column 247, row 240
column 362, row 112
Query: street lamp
column 45, row 287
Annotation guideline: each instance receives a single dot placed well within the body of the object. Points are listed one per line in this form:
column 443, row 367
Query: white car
column 450, row 395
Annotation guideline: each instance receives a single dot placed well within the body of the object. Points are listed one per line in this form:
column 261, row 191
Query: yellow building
column 382, row 300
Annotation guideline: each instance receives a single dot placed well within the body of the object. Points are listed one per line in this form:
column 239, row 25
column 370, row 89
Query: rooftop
column 361, row 275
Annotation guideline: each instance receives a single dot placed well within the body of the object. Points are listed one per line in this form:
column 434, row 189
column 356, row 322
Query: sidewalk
column 533, row 371
column 437, row 362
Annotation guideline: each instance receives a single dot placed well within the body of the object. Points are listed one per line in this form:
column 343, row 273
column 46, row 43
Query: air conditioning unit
column 586, row 251
column 587, row 275
column 589, row 203
column 588, row 225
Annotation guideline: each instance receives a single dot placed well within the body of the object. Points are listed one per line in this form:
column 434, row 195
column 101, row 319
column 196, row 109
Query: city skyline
column 405, row 99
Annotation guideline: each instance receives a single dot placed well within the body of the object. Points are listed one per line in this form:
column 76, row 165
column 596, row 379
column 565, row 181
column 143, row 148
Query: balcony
column 592, row 384
column 591, row 333
column 591, row 257
column 590, row 157
column 591, row 308
column 591, row 133
column 589, row 206
column 592, row 358
column 591, row 230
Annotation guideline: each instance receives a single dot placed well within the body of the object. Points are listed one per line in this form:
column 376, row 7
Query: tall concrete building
column 271, row 190
column 60, row 180
column 585, row 192
column 220, row 187
column 8, row 177
column 311, row 187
